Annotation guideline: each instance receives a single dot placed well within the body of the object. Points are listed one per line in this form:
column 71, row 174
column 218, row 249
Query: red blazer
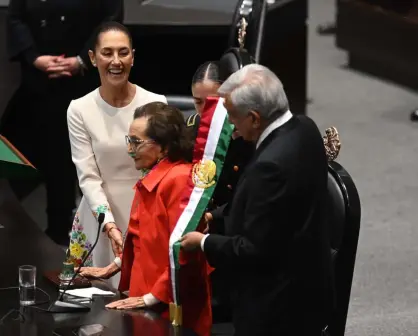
column 145, row 261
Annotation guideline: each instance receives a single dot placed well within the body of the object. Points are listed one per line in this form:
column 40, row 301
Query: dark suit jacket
column 276, row 247
column 54, row 27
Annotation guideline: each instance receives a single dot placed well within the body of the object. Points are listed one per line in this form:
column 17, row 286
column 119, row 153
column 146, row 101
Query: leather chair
column 183, row 103
column 234, row 59
column 344, row 219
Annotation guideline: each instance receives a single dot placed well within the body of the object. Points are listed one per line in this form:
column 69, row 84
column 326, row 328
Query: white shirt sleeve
column 88, row 173
column 150, row 300
column 202, row 242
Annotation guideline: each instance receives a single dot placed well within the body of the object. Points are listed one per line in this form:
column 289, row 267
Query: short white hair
column 256, row 88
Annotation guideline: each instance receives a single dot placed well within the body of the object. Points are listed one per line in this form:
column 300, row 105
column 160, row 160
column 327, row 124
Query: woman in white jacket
column 98, row 124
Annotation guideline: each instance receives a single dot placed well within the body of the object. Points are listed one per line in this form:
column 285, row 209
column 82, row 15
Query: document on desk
column 88, row 292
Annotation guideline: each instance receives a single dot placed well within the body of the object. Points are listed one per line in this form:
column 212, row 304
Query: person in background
column 275, row 249
column 206, row 82
column 97, row 125
column 161, row 148
column 50, row 40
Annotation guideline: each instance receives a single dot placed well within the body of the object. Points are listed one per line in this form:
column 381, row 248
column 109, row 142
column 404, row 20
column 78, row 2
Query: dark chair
column 234, row 59
column 344, row 219
column 184, row 103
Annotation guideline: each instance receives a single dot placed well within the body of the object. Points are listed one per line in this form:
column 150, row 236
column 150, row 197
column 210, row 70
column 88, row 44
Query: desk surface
column 22, row 242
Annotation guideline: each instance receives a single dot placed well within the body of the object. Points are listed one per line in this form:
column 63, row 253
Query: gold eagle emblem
column 204, row 173
column 332, row 143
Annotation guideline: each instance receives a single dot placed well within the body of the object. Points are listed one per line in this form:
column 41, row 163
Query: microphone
column 59, row 306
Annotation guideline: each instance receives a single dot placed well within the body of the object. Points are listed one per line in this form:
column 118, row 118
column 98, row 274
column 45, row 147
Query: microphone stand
column 59, row 306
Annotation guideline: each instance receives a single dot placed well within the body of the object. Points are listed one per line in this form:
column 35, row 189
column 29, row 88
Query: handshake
column 57, row 66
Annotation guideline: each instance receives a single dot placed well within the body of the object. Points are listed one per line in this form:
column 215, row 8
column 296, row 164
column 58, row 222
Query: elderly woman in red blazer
column 159, row 145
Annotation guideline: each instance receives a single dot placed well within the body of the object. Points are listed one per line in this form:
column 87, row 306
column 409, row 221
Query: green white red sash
column 210, row 149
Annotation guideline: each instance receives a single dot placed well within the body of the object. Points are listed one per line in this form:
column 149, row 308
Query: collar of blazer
column 274, row 125
column 155, row 176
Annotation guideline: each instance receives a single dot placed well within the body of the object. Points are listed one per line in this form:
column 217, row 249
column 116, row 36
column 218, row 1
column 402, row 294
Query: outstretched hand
column 99, row 272
column 128, row 303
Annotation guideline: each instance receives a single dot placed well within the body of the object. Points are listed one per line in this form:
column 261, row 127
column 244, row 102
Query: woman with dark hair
column 97, row 124
column 50, row 40
column 206, row 82
column 159, row 145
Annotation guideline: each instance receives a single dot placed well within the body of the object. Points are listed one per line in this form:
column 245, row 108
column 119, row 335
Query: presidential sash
column 211, row 145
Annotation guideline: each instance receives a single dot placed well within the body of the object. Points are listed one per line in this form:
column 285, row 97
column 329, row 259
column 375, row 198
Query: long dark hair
column 210, row 70
column 167, row 128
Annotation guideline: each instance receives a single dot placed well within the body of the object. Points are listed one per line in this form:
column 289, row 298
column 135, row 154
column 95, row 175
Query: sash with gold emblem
column 210, row 149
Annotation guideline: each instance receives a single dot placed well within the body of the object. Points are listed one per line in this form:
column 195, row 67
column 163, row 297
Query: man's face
column 247, row 125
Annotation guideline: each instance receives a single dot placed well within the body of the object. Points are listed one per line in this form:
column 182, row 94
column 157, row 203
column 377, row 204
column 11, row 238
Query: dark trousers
column 35, row 122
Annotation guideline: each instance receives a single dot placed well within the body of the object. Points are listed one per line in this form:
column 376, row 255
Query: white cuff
column 150, row 300
column 108, row 218
column 118, row 262
column 202, row 242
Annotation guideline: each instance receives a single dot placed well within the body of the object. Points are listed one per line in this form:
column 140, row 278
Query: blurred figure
column 414, row 115
column 50, row 40
column 98, row 124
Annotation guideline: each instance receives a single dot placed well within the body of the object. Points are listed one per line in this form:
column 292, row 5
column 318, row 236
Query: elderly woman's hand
column 99, row 272
column 128, row 303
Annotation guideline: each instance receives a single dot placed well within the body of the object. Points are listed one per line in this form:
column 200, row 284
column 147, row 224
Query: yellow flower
column 76, row 250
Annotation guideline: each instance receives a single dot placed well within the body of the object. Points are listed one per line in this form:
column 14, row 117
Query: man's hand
column 99, row 272
column 115, row 237
column 191, row 240
column 64, row 67
column 129, row 303
column 44, row 62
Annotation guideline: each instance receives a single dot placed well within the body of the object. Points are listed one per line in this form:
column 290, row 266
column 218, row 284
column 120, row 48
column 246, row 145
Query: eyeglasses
column 135, row 143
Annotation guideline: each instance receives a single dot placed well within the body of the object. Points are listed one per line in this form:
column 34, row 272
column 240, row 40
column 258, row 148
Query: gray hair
column 255, row 87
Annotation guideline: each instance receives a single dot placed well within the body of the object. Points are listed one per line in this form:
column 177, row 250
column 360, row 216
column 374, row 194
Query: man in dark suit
column 276, row 247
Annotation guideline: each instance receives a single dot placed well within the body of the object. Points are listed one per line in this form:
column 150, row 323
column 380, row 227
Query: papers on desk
column 88, row 292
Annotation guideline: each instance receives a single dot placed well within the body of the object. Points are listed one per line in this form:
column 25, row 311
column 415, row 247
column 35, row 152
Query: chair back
column 234, row 59
column 184, row 103
column 344, row 219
